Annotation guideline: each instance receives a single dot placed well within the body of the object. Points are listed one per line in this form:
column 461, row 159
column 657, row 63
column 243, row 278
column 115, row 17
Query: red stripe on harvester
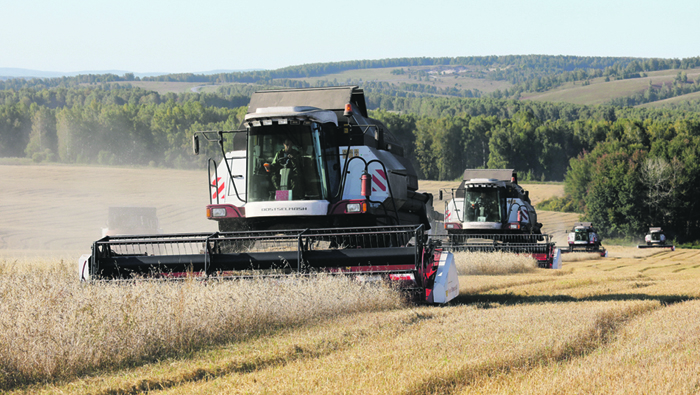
column 219, row 188
column 378, row 182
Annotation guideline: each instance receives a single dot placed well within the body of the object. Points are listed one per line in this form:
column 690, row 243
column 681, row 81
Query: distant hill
column 598, row 91
column 617, row 81
column 7, row 72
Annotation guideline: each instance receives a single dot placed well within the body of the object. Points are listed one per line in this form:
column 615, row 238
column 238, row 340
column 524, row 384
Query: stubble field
column 623, row 324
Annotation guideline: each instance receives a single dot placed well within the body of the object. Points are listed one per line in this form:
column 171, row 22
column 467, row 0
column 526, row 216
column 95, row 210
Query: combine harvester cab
column 398, row 255
column 489, row 211
column 584, row 238
column 308, row 184
column 656, row 239
column 311, row 158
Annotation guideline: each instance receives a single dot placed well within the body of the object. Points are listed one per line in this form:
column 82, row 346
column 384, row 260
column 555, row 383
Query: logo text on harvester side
column 284, row 209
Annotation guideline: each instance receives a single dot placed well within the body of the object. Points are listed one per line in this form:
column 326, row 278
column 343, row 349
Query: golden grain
column 615, row 325
column 52, row 326
column 493, row 263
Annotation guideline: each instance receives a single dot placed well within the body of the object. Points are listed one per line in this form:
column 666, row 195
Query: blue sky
column 196, row 36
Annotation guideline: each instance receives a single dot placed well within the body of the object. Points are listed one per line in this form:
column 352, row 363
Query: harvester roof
column 497, row 174
column 492, row 178
column 330, row 98
column 313, row 113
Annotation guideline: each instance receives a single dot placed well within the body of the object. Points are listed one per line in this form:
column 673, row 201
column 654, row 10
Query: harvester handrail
column 220, row 140
column 391, row 193
column 460, row 218
column 367, row 127
column 211, row 183
column 346, row 172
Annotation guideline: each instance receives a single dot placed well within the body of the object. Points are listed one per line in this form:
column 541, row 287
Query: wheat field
column 623, row 324
column 54, row 327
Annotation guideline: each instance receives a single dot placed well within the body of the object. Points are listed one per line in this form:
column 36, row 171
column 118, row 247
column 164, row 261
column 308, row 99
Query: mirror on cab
column 195, row 144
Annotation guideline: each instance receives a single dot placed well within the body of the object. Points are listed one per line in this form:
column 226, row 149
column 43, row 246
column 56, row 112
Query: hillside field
column 597, row 92
column 623, row 324
column 600, row 91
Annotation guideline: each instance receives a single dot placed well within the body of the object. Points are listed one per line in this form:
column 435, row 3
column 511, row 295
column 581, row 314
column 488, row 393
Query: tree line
column 111, row 126
column 538, row 149
column 505, row 125
column 624, row 168
column 644, row 174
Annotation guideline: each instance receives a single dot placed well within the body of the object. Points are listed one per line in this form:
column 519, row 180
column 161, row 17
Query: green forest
column 625, row 168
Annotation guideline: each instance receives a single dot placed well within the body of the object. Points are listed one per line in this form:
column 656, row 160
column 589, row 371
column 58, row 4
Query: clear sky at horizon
column 178, row 36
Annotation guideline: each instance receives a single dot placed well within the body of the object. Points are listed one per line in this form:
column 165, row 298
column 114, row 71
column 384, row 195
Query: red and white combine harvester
column 656, row 239
column 308, row 183
column 489, row 211
column 584, row 238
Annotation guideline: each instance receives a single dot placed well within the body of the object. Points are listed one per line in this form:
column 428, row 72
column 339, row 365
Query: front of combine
column 308, row 185
column 489, row 211
column 584, row 238
column 656, row 238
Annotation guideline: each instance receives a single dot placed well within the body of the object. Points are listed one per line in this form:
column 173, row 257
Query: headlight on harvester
column 356, row 207
column 218, row 212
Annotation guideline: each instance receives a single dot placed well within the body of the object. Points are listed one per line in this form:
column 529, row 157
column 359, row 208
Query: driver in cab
column 482, row 207
column 286, row 171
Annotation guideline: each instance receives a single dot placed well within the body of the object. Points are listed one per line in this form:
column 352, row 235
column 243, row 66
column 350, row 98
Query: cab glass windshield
column 285, row 162
column 481, row 205
column 581, row 235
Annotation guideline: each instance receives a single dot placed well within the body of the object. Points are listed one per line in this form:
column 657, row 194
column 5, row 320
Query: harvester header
column 397, row 254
